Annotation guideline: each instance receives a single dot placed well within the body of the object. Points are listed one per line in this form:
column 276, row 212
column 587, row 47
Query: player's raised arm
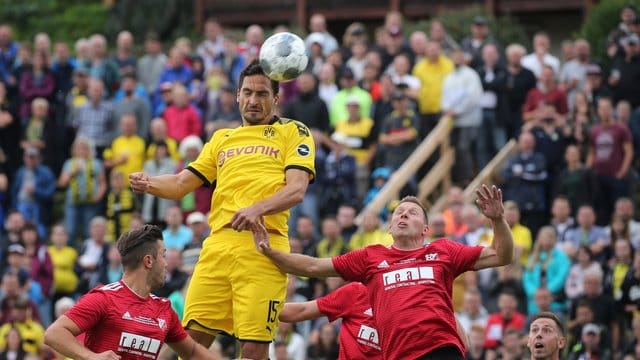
column 501, row 250
column 300, row 311
column 296, row 264
column 169, row 186
column 61, row 336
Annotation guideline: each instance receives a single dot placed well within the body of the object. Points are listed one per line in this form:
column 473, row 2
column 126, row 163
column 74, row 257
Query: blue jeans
column 76, row 220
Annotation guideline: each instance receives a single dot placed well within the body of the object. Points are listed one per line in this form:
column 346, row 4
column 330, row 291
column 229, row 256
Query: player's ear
column 425, row 230
column 147, row 260
column 276, row 98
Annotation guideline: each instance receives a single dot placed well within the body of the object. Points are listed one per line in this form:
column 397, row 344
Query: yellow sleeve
column 107, row 154
column 300, row 151
column 206, row 165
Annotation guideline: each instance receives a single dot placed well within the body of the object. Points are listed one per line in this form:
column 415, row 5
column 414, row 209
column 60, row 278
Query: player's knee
column 254, row 350
column 201, row 338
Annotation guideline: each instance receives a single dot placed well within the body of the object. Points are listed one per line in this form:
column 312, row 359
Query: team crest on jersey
column 431, row 257
column 269, row 132
column 221, row 158
column 162, row 324
column 303, row 150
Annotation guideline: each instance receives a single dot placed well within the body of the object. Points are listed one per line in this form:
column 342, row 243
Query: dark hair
column 254, row 68
column 152, row 36
column 415, row 200
column 552, row 316
column 134, row 245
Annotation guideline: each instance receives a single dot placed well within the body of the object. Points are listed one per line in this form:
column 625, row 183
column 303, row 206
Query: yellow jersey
column 133, row 148
column 431, row 77
column 248, row 164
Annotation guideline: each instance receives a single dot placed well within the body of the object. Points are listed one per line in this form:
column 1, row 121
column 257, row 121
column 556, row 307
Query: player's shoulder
column 354, row 287
column 220, row 134
column 444, row 244
column 291, row 124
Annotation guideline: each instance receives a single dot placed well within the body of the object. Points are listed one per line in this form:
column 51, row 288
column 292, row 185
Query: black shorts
column 444, row 353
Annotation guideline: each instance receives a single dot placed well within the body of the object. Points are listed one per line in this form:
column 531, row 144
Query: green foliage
column 63, row 20
column 603, row 18
column 505, row 28
column 169, row 18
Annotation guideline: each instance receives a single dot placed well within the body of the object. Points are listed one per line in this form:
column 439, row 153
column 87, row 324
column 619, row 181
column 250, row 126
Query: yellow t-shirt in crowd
column 133, row 148
column 65, row 279
column 522, row 239
column 248, row 164
column 431, row 77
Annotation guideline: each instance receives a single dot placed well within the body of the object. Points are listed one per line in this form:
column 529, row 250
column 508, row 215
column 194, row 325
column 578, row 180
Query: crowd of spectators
column 74, row 124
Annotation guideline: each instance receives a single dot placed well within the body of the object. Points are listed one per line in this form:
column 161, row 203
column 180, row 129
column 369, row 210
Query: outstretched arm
column 61, row 337
column 501, row 250
column 296, row 264
column 170, row 186
column 300, row 311
column 189, row 349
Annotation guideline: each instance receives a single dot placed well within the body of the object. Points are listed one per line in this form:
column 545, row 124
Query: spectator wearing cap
column 359, row 134
column 628, row 16
column 316, row 55
column 595, row 86
column 479, row 37
column 124, row 57
column 318, row 24
column 625, row 72
column 379, row 178
column 163, row 99
column 31, row 331
column 132, row 98
column 150, row 65
column 541, row 56
column 590, row 345
column 398, row 133
column 356, row 31
column 77, row 95
column 197, row 222
column 227, row 114
column 153, row 207
column 461, row 95
column 431, row 71
column 32, row 189
column 349, row 89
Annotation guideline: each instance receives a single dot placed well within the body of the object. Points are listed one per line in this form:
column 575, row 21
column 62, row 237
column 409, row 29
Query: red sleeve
column 89, row 310
column 463, row 257
column 563, row 108
column 352, row 266
column 529, row 103
column 176, row 332
column 335, row 304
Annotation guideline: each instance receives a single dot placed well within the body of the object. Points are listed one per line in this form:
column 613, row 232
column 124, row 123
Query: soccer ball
column 283, row 56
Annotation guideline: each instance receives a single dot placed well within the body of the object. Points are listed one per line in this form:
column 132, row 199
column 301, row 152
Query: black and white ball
column 283, row 56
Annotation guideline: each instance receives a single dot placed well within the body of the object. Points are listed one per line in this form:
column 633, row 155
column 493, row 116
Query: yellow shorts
column 236, row 289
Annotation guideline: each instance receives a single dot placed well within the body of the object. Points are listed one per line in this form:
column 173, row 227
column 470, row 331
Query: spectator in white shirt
column 540, row 55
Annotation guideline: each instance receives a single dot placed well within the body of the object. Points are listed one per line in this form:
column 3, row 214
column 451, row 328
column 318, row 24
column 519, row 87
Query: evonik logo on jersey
column 225, row 154
column 408, row 277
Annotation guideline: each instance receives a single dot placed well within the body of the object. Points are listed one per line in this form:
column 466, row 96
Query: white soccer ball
column 283, row 56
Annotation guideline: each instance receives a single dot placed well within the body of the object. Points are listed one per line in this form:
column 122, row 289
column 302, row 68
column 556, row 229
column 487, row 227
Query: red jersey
column 358, row 335
column 115, row 318
column 411, row 293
